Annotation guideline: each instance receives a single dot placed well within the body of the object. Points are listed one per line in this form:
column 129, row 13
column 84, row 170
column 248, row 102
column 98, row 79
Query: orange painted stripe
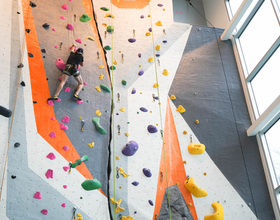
column 137, row 4
column 40, row 93
column 175, row 166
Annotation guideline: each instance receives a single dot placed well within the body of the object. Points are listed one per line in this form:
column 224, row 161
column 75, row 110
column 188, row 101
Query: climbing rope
column 160, row 112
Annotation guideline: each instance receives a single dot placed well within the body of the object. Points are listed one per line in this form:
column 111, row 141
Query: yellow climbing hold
column 101, row 67
column 189, row 204
column 151, row 59
column 165, row 72
column 148, row 33
column 122, row 109
column 98, row 113
column 151, row 112
column 139, row 65
column 204, row 174
column 123, row 173
column 172, row 97
column 101, row 76
column 120, row 51
column 91, row 145
column 118, row 208
column 127, row 218
column 104, row 24
column 185, row 132
column 177, row 184
column 140, row 92
column 120, row 187
column 126, row 134
column 196, row 149
column 90, row 38
column 158, row 47
column 159, row 23
column 180, row 109
column 97, row 88
column 79, row 217
column 219, row 212
column 156, row 85
column 194, row 189
column 83, row 3
column 115, row 62
column 185, row 162
column 109, row 15
column 117, row 158
column 196, row 121
column 149, row 16
column 80, row 117
column 163, row 9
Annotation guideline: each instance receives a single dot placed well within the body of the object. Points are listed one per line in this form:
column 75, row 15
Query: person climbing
column 71, row 69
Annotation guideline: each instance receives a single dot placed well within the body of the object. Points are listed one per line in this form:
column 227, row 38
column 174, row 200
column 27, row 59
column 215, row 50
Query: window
column 234, row 5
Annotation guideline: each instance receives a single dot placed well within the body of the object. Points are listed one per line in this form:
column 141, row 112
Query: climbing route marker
column 105, row 34
column 122, row 57
column 117, row 172
column 164, row 32
column 119, row 97
column 158, row 62
column 191, row 138
column 133, row 33
column 119, row 130
column 60, row 45
column 97, row 54
column 83, row 125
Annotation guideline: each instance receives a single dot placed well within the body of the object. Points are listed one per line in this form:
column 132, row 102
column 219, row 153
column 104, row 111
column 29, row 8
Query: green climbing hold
column 98, row 127
column 112, row 67
column 107, row 47
column 79, row 161
column 104, row 9
column 91, row 184
column 105, row 88
column 124, row 82
column 87, row 101
column 110, row 29
column 83, row 89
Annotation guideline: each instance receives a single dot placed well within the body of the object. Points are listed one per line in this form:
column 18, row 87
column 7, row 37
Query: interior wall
column 216, row 13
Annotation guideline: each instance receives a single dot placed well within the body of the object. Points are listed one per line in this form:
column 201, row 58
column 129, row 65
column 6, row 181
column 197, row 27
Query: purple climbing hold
column 147, row 172
column 133, row 91
column 117, row 113
column 131, row 40
column 130, row 148
column 157, row 55
column 152, row 129
column 150, row 29
column 142, row 16
column 141, row 72
column 151, row 202
column 135, row 183
column 160, row 5
column 139, row 55
column 143, row 109
column 164, row 41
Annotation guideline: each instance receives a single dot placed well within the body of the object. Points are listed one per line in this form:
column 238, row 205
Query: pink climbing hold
column 52, row 118
column 66, row 168
column 59, row 99
column 79, row 101
column 60, row 80
column 53, row 29
column 67, row 89
column 60, row 64
column 63, row 205
column 65, row 148
column 85, row 83
column 44, row 211
column 62, row 17
column 181, row 12
column 176, row 11
column 51, row 156
column 70, row 0
column 78, row 40
column 55, row 46
column 63, row 127
column 50, row 102
column 49, row 173
column 37, row 195
column 70, row 27
column 65, row 119
column 65, row 186
column 65, row 7
column 52, row 135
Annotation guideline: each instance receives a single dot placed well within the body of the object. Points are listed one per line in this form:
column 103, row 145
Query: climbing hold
column 51, row 156
column 126, row 218
column 149, row 15
column 63, row 205
column 115, row 62
column 97, row 88
column 156, row 85
column 160, row 5
column 105, row 88
column 27, row 30
column 90, row 38
column 91, row 145
column 139, row 55
column 172, row 97
column 78, row 40
column 151, row 202
column 101, row 67
column 126, row 134
column 13, row 177
column 44, row 211
column 104, row 24
column 158, row 23
column 65, row 148
column 150, row 29
column 185, row 162
column 151, row 59
column 70, row 27
column 63, row 127
column 55, row 46
column 52, row 30
column 66, row 168
column 107, row 47
column 135, row 183
column 164, row 41
column 158, row 47
column 141, row 72
column 98, row 113
column 189, row 204
column 22, row 83
column 16, row 144
column 152, row 129
column 196, row 149
column 62, row 17
column 180, row 109
column 204, row 174
column 79, row 161
column 112, row 67
column 157, row 55
column 122, row 109
column 49, row 173
column 185, row 132
column 142, row 16
column 101, row 76
column 131, row 40
column 65, row 186
column 110, row 29
column 43, row 50
column 147, row 172
column 196, row 121
column 91, row 184
column 67, row 89
column 118, row 203
column 30, row 55
column 104, row 9
column 194, row 189
column 123, row 173
column 109, row 15
column 65, row 7
column 124, row 82
column 79, row 102
column 46, row 26
column 52, row 135
column 37, row 195
column 133, row 91
column 130, row 148
column 32, row 4
column 219, row 212
column 148, row 33
column 98, row 127
column 143, row 109
column 85, row 17
column 65, row 119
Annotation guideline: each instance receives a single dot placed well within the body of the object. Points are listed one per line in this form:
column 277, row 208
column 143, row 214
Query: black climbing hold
column 20, row 65
column 43, row 50
column 5, row 112
column 46, row 26
column 32, row 4
column 18, row 12
column 47, row 78
column 135, row 212
column 22, row 83
column 34, row 102
column 16, row 144
column 30, row 55
column 44, row 57
column 27, row 30
column 13, row 177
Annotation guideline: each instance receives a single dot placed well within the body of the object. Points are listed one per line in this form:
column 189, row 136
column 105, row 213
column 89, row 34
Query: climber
column 71, row 69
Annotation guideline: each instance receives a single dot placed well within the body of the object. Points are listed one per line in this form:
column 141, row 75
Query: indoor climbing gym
column 140, row 110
